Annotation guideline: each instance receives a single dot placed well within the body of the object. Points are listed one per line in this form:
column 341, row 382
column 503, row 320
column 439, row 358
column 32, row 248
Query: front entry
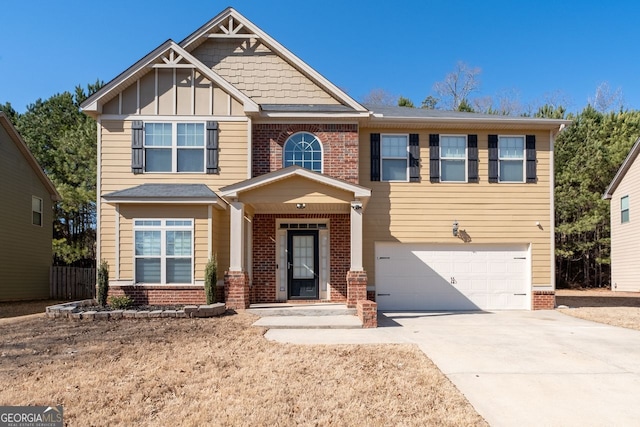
column 302, row 264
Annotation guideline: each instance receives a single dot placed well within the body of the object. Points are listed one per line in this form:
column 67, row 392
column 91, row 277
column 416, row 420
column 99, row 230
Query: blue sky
column 563, row 49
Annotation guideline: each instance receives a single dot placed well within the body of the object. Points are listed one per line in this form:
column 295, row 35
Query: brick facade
column 544, row 300
column 236, row 290
column 339, row 147
column 356, row 287
column 263, row 288
column 161, row 294
column 367, row 313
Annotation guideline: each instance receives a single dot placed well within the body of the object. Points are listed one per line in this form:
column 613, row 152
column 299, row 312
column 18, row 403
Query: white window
column 453, row 158
column 624, row 209
column 394, row 157
column 36, row 211
column 163, row 251
column 174, row 147
column 511, row 158
column 305, row 150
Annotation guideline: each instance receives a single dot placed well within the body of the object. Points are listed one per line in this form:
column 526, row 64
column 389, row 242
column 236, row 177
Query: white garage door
column 438, row 277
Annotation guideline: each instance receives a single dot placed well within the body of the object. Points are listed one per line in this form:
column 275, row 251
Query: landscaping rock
column 129, row 314
column 181, row 313
column 169, row 313
column 142, row 313
column 190, row 309
column 89, row 315
column 102, row 315
column 116, row 314
column 155, row 313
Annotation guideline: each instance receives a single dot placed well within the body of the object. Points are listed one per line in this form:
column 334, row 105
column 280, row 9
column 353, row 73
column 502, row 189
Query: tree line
column 587, row 155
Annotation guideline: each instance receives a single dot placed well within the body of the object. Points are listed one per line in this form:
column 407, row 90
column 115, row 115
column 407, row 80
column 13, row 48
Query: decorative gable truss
column 170, row 81
column 228, row 27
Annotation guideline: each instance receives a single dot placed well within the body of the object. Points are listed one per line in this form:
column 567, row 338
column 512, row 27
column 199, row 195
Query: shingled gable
column 167, row 55
column 231, row 24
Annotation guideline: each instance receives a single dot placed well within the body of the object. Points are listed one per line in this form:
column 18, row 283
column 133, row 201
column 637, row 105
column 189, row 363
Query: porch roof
column 294, row 188
column 166, row 193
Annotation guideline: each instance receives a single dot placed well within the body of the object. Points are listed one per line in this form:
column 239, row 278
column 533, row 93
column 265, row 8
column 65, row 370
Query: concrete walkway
column 519, row 368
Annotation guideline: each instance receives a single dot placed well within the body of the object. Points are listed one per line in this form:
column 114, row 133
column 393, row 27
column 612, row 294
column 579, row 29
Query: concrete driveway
column 519, row 368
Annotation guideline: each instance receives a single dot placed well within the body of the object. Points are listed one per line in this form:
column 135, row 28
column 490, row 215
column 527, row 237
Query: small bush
column 121, row 302
column 211, row 280
column 103, row 282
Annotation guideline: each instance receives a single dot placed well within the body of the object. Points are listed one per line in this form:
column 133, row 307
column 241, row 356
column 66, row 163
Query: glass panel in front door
column 303, row 257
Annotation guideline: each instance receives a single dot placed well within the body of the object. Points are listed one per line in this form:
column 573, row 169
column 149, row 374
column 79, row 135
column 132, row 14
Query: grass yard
column 218, row 371
column 601, row 305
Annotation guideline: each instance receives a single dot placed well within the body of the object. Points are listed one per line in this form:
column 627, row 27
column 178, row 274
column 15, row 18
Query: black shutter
column 137, row 147
column 414, row 157
column 493, row 158
column 434, row 157
column 212, row 148
column 531, row 159
column 375, row 157
column 472, row 158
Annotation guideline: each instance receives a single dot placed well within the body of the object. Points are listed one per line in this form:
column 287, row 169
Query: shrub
column 211, row 280
column 120, row 302
column 103, row 282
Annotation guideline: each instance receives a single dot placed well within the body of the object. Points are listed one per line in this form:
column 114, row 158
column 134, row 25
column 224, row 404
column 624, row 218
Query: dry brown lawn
column 218, row 371
column 601, row 305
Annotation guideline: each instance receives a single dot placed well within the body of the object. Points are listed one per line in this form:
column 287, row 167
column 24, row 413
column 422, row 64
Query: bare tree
column 606, row 99
column 380, row 97
column 553, row 100
column 458, row 85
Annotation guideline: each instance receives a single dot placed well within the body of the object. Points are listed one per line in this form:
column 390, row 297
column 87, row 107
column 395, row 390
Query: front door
column 302, row 254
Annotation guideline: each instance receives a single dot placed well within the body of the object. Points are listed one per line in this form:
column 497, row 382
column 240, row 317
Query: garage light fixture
column 301, row 205
column 455, row 228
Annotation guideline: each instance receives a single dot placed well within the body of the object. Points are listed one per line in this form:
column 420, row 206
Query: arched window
column 303, row 149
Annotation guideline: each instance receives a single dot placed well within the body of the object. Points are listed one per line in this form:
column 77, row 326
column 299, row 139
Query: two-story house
column 227, row 143
column 26, row 219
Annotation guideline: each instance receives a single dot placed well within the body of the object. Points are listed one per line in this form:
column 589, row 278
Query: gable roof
column 624, row 168
column 230, row 23
column 93, row 104
column 233, row 190
column 26, row 153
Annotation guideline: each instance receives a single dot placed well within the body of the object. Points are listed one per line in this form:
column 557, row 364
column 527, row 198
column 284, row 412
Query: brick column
column 356, row 287
column 236, row 290
column 544, row 300
column 368, row 313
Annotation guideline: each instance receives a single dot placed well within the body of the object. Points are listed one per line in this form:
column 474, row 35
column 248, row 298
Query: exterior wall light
column 455, row 228
column 356, row 206
column 301, row 205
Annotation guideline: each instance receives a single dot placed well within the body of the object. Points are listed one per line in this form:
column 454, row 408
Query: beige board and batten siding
column 625, row 271
column 193, row 94
column 257, row 71
column 488, row 213
column 25, row 249
column 116, row 175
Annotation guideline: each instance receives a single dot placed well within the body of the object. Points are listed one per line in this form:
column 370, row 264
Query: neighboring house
column 227, row 143
column 26, row 219
column 624, row 194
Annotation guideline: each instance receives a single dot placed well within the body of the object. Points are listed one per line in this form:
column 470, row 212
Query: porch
column 295, row 235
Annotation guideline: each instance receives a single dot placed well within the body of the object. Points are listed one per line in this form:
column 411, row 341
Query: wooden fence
column 72, row 283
